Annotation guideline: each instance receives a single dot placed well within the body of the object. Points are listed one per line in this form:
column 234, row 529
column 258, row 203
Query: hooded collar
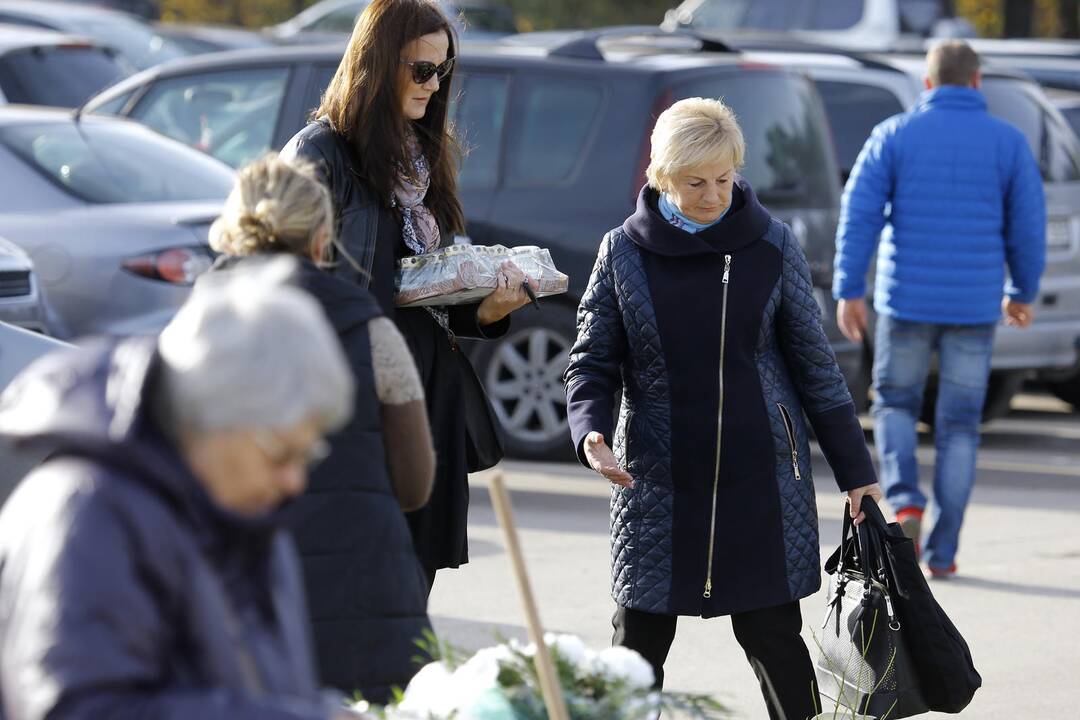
column 95, row 401
column 953, row 96
column 745, row 222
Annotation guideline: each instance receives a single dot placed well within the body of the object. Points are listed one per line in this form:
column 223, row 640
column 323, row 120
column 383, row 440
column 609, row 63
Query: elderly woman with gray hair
column 700, row 309
column 143, row 570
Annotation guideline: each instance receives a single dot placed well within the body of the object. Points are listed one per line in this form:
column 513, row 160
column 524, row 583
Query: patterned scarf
column 419, row 229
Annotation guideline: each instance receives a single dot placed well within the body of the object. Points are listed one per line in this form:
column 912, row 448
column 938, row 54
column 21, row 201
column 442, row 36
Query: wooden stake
column 545, row 668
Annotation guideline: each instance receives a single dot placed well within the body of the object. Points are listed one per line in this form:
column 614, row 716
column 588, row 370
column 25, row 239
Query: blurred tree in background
column 991, row 18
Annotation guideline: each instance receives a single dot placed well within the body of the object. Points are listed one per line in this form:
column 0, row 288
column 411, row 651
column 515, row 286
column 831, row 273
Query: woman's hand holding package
column 603, row 461
column 508, row 295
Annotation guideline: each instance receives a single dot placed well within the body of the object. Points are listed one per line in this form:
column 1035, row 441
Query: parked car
column 861, row 91
column 333, row 20
column 149, row 9
column 132, row 37
column 20, row 292
column 40, row 67
column 855, row 24
column 18, row 348
column 1068, row 103
column 235, row 106
column 113, row 216
column 552, row 120
column 195, row 39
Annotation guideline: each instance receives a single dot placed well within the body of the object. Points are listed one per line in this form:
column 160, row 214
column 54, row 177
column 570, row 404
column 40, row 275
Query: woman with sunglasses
column 382, row 143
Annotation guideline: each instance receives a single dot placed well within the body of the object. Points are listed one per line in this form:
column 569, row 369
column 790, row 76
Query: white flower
column 430, row 693
column 620, row 663
column 479, row 674
column 528, row 650
column 572, row 649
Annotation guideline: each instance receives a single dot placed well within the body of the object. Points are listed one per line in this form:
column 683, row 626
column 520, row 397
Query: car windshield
column 776, row 15
column 788, row 159
column 63, row 76
column 113, row 162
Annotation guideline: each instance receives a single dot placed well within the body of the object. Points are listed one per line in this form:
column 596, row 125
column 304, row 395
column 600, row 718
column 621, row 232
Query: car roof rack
column 585, row 44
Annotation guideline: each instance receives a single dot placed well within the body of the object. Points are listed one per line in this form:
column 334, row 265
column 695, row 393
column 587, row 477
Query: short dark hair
column 952, row 62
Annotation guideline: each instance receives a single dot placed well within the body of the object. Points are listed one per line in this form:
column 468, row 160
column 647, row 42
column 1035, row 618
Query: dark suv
column 560, row 135
column 557, row 126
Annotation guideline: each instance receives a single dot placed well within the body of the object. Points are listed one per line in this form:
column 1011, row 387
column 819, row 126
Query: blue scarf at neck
column 672, row 214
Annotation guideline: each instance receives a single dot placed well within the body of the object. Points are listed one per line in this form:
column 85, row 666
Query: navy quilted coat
column 716, row 343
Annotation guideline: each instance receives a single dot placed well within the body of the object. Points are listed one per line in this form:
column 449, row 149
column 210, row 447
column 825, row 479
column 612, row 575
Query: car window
column 114, row 106
column 785, row 130
column 320, row 80
column 1050, row 141
column 493, row 19
column 113, row 162
column 231, row 115
column 554, row 121
column 854, row 109
column 337, row 21
column 8, row 19
column 1072, row 116
column 479, row 115
column 64, row 76
column 777, row 14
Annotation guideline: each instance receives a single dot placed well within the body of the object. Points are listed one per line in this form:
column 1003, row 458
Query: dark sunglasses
column 422, row 70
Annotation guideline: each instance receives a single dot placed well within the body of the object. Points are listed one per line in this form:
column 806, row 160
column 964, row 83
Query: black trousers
column 769, row 637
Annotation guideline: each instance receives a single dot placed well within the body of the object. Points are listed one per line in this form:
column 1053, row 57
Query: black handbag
column 947, row 675
column 864, row 664
column 483, row 440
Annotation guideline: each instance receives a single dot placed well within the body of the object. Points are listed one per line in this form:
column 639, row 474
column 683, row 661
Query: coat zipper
column 790, row 427
column 719, row 426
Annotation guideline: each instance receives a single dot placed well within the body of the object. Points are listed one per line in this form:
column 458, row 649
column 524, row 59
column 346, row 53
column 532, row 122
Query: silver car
column 20, row 296
column 113, row 215
column 18, row 348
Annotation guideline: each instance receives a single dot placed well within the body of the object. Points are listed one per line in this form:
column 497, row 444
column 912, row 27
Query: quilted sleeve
column 594, row 374
column 816, row 376
column 1025, row 224
column 862, row 214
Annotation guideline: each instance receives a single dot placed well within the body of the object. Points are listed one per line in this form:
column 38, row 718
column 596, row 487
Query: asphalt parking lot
column 1015, row 597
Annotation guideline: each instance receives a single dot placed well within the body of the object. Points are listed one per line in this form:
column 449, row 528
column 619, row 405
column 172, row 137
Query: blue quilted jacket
column 959, row 196
column 716, row 343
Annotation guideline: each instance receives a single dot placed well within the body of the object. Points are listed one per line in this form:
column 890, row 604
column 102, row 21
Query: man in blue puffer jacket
column 955, row 196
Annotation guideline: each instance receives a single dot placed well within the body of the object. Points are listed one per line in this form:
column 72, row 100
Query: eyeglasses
column 281, row 455
column 422, row 70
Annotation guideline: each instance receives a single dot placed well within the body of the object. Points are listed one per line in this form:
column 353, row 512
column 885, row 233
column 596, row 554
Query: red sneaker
column 910, row 519
column 942, row 573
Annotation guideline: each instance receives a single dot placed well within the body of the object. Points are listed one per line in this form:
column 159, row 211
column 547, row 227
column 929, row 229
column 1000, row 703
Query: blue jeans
column 902, row 356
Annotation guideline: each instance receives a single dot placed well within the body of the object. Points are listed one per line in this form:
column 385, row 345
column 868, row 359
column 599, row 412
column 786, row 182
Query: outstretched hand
column 603, row 461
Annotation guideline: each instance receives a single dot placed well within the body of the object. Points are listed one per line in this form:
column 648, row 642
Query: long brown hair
column 363, row 103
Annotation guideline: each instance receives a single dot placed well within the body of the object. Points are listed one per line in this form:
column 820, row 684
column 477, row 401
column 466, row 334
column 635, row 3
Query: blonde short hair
column 275, row 206
column 690, row 133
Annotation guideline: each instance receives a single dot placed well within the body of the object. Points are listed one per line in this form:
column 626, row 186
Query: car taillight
column 662, row 103
column 179, row 266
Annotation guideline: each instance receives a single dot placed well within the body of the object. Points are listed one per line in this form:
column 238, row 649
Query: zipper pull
column 708, row 589
column 727, row 269
column 795, row 465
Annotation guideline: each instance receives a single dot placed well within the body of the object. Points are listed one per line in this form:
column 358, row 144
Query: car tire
column 522, row 373
column 1067, row 389
column 1000, row 390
